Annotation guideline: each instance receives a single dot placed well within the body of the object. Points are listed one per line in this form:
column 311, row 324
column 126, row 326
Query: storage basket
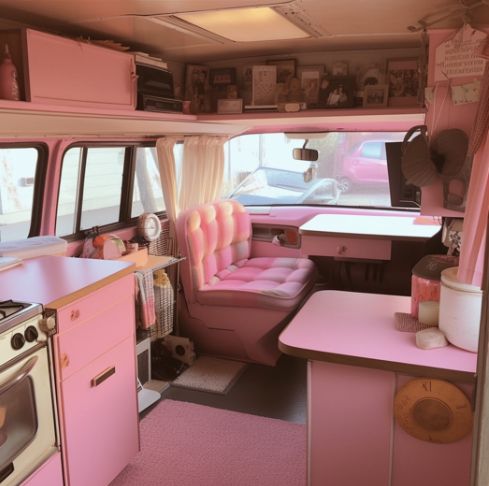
column 164, row 305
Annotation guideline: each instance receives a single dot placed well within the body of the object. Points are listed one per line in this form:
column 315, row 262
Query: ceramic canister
column 460, row 310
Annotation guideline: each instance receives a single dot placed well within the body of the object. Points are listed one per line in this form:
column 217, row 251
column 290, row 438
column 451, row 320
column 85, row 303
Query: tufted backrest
column 212, row 237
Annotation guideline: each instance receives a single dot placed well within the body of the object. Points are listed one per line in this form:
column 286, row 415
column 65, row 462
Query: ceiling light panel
column 245, row 24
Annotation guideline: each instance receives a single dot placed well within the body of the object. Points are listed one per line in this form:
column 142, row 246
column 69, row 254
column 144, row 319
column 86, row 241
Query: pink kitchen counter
column 357, row 362
column 55, row 281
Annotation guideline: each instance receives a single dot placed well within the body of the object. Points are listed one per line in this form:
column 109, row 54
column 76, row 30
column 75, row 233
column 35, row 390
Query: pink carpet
column 186, row 444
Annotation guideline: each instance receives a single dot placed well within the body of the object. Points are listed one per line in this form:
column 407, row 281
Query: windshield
column 351, row 169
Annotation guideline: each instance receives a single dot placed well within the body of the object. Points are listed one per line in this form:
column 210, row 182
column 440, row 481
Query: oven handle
column 19, row 375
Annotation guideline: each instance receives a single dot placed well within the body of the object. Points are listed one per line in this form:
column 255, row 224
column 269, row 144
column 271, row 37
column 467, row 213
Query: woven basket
column 164, row 305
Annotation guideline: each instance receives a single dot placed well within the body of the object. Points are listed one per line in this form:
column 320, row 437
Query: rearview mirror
column 310, row 155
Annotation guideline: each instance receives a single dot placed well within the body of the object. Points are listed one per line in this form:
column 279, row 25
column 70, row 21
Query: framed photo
column 403, row 81
column 230, row 106
column 197, row 87
column 285, row 69
column 264, row 84
column 340, row 92
column 222, row 76
column 310, row 78
column 339, row 68
column 375, row 95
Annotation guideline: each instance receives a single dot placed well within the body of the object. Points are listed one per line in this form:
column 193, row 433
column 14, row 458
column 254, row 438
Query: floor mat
column 210, row 374
column 184, row 444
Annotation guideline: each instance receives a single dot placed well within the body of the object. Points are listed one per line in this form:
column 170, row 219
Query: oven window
column 18, row 420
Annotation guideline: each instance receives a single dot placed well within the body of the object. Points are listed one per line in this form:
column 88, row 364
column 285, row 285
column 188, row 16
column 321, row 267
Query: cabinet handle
column 75, row 314
column 65, row 360
column 97, row 380
column 341, row 249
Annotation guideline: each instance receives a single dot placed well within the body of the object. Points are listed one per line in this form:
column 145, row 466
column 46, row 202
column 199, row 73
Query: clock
column 149, row 226
column 433, row 410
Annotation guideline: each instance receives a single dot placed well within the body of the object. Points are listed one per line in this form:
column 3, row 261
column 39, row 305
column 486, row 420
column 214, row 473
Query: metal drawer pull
column 75, row 314
column 103, row 376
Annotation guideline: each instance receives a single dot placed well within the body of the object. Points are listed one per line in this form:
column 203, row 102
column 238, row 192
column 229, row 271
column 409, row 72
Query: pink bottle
column 9, row 86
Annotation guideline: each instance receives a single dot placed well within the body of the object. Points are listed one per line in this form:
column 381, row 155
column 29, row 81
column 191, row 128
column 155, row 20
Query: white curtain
column 202, row 170
column 168, row 175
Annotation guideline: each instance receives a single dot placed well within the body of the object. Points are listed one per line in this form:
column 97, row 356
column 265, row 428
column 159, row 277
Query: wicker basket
column 164, row 305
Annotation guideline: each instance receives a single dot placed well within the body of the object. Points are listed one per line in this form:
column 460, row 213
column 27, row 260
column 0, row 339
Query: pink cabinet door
column 64, row 71
column 50, row 473
column 100, row 417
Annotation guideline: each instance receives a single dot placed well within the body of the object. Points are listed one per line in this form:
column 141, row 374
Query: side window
column 18, row 169
column 105, row 185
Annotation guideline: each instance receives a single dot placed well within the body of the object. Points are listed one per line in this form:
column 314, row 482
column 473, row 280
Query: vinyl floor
column 277, row 392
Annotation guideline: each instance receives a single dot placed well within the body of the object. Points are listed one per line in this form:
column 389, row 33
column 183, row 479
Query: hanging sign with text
column 460, row 56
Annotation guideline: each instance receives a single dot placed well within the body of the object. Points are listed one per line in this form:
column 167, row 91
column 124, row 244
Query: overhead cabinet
column 61, row 71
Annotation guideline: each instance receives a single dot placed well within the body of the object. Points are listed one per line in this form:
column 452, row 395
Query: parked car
column 267, row 185
column 367, row 164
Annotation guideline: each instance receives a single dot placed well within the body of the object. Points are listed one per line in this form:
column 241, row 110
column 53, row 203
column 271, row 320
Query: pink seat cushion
column 271, row 283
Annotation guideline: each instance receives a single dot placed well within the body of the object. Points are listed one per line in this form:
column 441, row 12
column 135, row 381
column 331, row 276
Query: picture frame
column 220, row 79
column 197, row 87
column 264, row 85
column 403, row 81
column 222, row 76
column 286, row 69
column 310, row 78
column 340, row 68
column 375, row 95
column 230, row 106
column 340, row 92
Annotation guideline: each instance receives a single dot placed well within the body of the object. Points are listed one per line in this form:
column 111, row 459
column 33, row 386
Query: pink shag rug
column 184, row 444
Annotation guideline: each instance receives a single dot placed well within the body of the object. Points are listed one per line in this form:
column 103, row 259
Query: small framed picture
column 264, row 85
column 285, row 69
column 403, row 81
column 375, row 95
column 340, row 92
column 310, row 78
column 339, row 68
column 197, row 87
column 230, row 106
column 222, row 76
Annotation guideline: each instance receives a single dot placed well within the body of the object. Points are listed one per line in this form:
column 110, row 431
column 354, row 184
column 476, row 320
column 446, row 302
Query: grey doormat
column 215, row 375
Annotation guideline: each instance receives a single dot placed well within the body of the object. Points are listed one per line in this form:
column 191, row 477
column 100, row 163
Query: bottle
column 9, row 86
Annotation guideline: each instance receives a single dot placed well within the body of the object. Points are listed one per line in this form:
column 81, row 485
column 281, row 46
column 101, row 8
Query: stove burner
column 10, row 307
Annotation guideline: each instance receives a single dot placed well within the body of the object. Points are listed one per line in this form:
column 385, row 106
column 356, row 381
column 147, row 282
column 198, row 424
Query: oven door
column 27, row 427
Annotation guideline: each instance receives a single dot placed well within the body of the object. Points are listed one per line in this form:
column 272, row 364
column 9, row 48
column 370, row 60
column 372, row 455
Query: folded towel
column 145, row 298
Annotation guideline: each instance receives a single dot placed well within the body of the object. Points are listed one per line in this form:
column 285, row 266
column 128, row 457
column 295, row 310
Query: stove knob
column 31, row 334
column 17, row 341
column 47, row 325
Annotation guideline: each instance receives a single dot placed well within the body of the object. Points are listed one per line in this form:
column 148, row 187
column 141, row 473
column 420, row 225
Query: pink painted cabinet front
column 68, row 72
column 96, row 375
column 49, row 474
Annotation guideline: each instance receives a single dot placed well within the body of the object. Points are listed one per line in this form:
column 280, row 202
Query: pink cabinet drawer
column 85, row 342
column 340, row 247
column 50, row 473
column 100, row 430
column 96, row 303
column 65, row 71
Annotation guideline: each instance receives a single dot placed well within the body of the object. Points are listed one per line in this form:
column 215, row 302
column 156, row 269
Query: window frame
column 127, row 188
column 39, row 181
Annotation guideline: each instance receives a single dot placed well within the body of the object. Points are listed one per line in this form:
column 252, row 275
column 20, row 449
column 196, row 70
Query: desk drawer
column 340, row 247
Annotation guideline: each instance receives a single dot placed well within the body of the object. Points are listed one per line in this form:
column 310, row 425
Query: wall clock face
column 149, row 226
column 433, row 410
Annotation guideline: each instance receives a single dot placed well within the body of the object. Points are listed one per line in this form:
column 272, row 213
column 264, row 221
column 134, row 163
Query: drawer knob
column 341, row 249
column 75, row 314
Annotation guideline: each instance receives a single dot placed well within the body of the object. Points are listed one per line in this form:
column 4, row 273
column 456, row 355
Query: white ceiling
column 345, row 24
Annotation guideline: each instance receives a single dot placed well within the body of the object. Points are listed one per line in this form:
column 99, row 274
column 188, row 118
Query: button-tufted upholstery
column 220, row 275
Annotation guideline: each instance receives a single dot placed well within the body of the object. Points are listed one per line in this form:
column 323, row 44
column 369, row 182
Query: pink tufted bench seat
column 236, row 305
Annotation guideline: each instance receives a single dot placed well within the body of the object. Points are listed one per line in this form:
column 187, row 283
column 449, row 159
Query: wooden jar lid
column 433, row 410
